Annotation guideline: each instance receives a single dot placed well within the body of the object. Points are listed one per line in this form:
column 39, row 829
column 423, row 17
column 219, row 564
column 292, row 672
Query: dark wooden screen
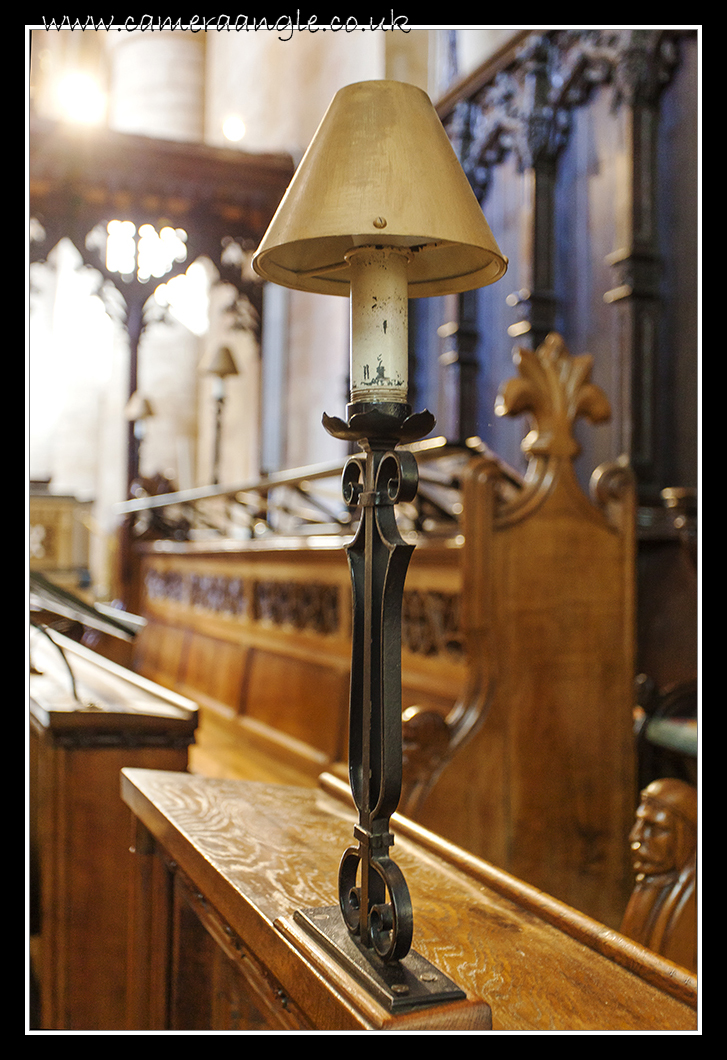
column 582, row 146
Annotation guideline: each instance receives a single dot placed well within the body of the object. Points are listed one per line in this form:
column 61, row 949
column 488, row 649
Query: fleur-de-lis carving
column 554, row 388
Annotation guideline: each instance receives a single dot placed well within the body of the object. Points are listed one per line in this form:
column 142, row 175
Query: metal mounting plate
column 412, row 982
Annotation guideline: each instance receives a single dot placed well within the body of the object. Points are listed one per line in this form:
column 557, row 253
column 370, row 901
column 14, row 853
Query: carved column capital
column 645, row 62
column 526, row 108
column 515, row 113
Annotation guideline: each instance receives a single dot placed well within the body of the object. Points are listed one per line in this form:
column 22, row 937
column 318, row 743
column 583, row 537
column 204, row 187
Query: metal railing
column 296, row 502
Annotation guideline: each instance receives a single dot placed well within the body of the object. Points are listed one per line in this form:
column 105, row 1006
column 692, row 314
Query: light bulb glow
column 81, row 99
column 121, row 247
column 233, row 128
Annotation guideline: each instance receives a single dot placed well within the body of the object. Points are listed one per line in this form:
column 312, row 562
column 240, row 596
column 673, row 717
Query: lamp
column 138, row 409
column 379, row 192
column 219, row 364
column 379, row 210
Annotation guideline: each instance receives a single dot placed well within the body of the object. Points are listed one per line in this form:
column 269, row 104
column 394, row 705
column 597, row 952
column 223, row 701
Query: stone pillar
column 157, row 84
column 157, row 90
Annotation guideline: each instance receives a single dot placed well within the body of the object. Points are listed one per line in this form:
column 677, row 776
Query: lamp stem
column 219, row 404
column 377, row 908
column 379, row 323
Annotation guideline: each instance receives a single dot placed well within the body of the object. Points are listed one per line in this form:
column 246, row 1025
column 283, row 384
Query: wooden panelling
column 214, row 667
column 300, row 696
column 262, row 639
column 79, row 826
column 582, row 146
column 160, row 652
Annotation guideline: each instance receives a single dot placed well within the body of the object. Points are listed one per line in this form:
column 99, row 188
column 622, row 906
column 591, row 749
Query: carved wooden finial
column 555, row 388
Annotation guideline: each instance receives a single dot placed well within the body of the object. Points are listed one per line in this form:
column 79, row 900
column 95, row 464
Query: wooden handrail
column 664, row 974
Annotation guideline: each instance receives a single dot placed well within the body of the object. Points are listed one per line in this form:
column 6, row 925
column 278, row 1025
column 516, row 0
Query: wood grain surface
column 258, row 852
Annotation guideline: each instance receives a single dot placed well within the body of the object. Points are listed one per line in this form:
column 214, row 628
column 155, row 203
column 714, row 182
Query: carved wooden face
column 653, row 840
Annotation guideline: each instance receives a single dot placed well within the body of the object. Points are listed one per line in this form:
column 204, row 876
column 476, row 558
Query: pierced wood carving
column 216, row 593
column 430, row 620
column 312, row 607
column 528, row 111
column 553, row 388
column 431, row 623
column 527, row 107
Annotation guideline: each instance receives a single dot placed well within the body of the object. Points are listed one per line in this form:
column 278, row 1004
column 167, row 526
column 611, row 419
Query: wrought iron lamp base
column 369, row 933
column 400, row 986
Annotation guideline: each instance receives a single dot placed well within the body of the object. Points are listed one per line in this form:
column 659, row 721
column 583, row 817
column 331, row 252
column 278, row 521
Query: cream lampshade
column 380, row 208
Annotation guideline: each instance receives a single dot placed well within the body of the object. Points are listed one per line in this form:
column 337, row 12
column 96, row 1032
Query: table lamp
column 379, row 211
column 218, row 363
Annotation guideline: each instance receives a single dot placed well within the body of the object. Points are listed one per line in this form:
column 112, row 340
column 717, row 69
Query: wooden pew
column 544, row 784
column 221, row 867
column 517, row 660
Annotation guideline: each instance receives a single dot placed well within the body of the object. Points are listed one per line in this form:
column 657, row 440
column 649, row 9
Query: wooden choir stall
column 517, row 659
column 519, row 767
column 222, row 868
column 519, row 781
column 189, row 807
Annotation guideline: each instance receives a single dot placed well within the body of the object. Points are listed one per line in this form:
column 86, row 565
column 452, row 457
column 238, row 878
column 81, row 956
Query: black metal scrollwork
column 373, row 894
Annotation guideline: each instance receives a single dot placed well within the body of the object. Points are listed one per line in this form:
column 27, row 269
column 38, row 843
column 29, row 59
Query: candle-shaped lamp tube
column 379, row 323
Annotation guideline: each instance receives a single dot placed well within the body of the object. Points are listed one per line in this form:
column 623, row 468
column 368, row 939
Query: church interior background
column 200, row 88
column 156, row 158
column 263, row 93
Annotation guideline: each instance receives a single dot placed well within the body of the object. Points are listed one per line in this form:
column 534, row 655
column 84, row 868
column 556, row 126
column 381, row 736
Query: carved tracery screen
column 582, row 146
column 220, row 200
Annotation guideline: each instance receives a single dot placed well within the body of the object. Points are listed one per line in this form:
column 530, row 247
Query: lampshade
column 219, row 361
column 138, row 407
column 380, row 171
